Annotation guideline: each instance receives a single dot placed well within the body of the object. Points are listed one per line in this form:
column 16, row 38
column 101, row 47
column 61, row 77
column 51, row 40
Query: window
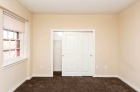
column 13, row 39
column 11, row 44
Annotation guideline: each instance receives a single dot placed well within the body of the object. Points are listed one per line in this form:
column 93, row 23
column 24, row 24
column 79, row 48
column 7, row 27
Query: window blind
column 13, row 23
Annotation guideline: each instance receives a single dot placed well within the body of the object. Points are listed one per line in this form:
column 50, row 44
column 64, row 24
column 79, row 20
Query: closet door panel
column 77, row 51
column 85, row 65
column 72, row 54
column 87, row 54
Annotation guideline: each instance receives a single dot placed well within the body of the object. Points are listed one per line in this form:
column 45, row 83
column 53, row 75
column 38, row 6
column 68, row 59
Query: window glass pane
column 6, row 44
column 5, row 32
column 18, row 52
column 12, row 53
column 11, row 35
column 18, row 43
column 20, row 35
column 16, row 35
column 13, row 44
column 6, row 55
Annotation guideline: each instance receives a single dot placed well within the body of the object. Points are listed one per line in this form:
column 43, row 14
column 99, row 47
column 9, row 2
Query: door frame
column 73, row 30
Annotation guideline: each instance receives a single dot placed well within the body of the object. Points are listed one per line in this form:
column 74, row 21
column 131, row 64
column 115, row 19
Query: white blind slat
column 11, row 23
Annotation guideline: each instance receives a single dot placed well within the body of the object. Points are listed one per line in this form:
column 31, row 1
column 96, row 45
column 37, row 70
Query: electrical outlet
column 105, row 67
column 96, row 66
column 41, row 66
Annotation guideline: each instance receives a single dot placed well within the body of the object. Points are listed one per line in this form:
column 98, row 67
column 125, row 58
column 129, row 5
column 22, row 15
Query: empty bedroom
column 69, row 45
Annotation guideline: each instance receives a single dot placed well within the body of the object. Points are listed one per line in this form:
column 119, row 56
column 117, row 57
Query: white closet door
column 87, row 58
column 72, row 54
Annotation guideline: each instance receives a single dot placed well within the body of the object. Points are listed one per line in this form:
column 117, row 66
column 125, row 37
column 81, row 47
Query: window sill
column 13, row 62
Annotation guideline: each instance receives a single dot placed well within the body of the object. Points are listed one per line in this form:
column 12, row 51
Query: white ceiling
column 76, row 6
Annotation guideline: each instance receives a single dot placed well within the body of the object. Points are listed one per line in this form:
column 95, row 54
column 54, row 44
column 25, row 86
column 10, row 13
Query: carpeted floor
column 74, row 84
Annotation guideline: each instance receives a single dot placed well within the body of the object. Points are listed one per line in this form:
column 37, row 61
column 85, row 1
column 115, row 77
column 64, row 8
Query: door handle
column 63, row 55
column 91, row 55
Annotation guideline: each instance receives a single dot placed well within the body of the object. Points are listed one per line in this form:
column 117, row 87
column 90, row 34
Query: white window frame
column 23, row 50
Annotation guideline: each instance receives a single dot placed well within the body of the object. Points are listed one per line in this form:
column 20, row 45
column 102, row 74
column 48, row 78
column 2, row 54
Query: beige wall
column 106, row 27
column 129, row 44
column 10, row 77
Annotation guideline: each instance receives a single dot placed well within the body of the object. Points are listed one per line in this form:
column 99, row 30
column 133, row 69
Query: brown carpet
column 74, row 84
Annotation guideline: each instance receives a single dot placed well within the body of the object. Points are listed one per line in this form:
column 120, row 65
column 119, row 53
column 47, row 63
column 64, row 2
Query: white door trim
column 73, row 30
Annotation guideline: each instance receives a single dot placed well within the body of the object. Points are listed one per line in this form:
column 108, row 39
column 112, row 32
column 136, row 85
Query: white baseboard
column 14, row 88
column 130, row 84
column 105, row 76
column 28, row 78
column 57, row 70
column 42, row 75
